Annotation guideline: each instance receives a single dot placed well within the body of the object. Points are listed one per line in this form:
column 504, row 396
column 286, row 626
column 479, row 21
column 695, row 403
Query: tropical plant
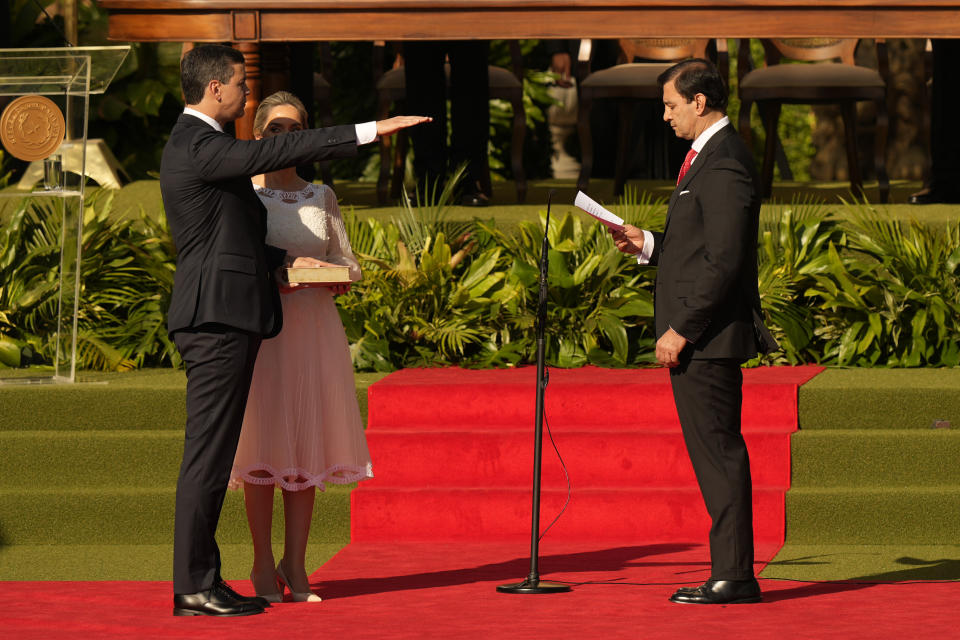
column 126, row 275
column 436, row 292
column 419, row 302
column 792, row 251
column 893, row 297
column 851, row 289
column 600, row 305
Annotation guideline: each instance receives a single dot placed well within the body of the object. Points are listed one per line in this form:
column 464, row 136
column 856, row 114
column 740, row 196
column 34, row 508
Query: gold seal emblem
column 32, row 127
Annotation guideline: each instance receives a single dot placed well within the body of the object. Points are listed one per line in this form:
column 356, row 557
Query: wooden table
column 250, row 22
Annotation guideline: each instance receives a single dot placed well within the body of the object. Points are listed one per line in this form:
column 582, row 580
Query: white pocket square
column 684, row 192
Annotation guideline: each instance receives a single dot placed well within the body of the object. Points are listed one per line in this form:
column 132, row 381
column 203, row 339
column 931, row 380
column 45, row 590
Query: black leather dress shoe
column 719, row 592
column 934, row 196
column 476, row 199
column 213, row 602
column 257, row 600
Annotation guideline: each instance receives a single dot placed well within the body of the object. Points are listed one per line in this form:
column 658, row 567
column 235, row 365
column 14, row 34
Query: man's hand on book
column 628, row 240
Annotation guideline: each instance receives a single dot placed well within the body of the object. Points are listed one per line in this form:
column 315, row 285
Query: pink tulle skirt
column 302, row 426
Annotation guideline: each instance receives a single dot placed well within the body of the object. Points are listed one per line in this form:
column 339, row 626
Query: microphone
column 545, row 247
column 51, row 21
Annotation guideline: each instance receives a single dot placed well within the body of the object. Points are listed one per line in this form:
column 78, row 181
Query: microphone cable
column 556, row 449
column 53, row 23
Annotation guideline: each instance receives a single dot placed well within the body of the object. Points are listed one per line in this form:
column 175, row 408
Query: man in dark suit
column 943, row 186
column 224, row 298
column 707, row 314
column 469, row 94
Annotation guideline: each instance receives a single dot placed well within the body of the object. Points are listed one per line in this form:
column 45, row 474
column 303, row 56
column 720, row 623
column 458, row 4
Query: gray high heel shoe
column 297, row 596
column 270, row 597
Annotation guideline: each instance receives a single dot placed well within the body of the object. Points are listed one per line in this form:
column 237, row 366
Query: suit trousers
column 219, row 362
column 708, row 395
column 944, row 136
column 469, row 96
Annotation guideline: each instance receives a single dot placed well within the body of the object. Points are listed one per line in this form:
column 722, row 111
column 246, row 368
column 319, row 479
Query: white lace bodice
column 308, row 223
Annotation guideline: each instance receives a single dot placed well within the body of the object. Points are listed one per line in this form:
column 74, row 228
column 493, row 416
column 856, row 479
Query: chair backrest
column 810, row 49
column 662, row 49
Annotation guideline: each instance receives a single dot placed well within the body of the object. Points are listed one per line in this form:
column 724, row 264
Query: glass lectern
column 45, row 118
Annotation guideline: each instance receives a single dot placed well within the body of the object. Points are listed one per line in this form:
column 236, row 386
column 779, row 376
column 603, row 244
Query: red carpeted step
column 504, row 458
column 650, row 515
column 452, row 450
column 605, row 398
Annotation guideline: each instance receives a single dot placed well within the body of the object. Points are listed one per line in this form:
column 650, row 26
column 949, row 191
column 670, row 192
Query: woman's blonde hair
column 275, row 100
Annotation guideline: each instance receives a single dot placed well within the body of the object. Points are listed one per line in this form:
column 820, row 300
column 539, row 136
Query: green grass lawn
column 144, row 195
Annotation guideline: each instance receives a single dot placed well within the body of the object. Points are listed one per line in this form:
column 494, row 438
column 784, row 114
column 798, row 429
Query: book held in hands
column 318, row 275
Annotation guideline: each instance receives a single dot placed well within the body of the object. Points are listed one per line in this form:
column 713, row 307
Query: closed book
column 318, row 275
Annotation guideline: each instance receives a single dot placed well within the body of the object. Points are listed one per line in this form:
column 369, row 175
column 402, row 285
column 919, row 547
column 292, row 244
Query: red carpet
column 411, row 591
column 452, row 453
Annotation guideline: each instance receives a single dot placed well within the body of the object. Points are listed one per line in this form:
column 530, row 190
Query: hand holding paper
column 594, row 208
column 629, row 239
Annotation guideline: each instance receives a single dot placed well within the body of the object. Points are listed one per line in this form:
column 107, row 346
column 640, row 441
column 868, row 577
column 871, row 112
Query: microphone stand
column 533, row 584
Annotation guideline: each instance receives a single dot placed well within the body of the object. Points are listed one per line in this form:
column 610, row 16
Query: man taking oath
column 707, row 314
column 225, row 299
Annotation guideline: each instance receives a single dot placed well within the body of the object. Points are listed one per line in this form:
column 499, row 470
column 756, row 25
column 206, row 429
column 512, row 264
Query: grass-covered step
column 144, row 399
column 876, row 459
column 117, row 515
column 896, row 515
column 132, row 561
column 147, row 399
column 880, row 399
column 90, row 459
column 864, row 563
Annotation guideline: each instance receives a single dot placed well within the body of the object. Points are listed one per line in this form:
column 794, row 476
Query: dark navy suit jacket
column 706, row 287
column 224, row 267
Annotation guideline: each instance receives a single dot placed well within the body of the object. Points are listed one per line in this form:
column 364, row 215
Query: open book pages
column 594, row 208
column 318, row 275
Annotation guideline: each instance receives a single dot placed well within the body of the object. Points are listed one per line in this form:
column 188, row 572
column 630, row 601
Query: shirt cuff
column 678, row 333
column 366, row 132
column 644, row 256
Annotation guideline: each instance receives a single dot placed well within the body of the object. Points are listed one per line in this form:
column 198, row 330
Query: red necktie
column 687, row 161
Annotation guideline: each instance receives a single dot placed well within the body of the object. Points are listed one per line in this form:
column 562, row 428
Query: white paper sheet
column 594, row 208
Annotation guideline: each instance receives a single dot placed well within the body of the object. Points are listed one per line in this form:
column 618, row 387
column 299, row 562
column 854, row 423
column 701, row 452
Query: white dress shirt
column 644, row 256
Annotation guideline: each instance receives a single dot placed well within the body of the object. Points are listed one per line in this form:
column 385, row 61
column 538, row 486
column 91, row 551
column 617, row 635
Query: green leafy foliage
column 858, row 288
column 844, row 287
column 436, row 292
column 792, row 251
column 894, row 296
column 126, row 277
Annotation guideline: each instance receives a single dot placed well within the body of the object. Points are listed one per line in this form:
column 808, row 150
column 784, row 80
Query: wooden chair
column 630, row 81
column 505, row 84
column 825, row 74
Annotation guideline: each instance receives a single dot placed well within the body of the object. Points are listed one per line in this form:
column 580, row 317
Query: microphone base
column 540, row 586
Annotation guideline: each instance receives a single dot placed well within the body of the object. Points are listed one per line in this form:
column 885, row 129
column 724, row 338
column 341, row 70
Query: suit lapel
column 699, row 163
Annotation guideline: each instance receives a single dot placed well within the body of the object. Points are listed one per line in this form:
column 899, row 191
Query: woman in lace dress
column 302, row 427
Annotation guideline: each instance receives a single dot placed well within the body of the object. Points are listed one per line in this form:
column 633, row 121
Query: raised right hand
column 390, row 126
